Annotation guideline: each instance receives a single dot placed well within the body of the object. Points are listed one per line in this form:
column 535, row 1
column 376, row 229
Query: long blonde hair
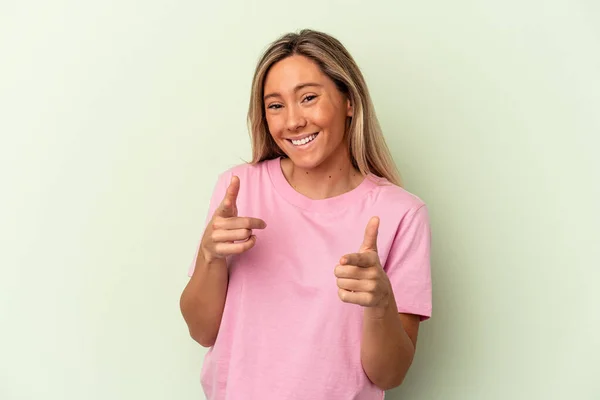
column 368, row 150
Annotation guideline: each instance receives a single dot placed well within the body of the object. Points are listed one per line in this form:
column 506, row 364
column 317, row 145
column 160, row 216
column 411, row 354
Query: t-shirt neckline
column 331, row 204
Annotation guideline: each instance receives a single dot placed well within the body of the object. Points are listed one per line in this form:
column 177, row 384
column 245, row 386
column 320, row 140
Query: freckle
column 306, row 172
column 329, row 176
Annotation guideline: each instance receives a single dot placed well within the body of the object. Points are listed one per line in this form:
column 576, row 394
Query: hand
column 360, row 277
column 227, row 233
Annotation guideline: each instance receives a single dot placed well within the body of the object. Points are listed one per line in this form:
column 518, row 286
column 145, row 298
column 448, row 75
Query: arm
column 389, row 338
column 388, row 345
column 203, row 300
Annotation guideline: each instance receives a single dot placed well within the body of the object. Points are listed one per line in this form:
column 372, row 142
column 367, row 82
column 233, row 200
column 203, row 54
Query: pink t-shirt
column 285, row 334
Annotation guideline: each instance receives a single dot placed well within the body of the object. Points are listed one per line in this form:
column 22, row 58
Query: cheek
column 321, row 114
column 275, row 124
column 328, row 117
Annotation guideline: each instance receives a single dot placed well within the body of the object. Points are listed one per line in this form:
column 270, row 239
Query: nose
column 295, row 119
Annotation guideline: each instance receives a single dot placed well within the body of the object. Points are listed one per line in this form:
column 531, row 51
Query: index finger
column 239, row 223
column 364, row 260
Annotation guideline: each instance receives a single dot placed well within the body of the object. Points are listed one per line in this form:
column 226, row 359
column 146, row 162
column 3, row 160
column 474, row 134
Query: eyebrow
column 297, row 88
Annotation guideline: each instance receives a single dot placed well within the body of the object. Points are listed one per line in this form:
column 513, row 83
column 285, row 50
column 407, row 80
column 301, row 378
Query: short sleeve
column 408, row 265
column 217, row 196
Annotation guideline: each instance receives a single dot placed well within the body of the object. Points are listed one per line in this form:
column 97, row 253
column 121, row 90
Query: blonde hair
column 368, row 150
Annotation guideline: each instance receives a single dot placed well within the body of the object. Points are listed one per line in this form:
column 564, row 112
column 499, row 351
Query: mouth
column 304, row 140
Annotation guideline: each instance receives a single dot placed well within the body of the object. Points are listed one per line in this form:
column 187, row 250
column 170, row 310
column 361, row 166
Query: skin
column 203, row 298
column 299, row 101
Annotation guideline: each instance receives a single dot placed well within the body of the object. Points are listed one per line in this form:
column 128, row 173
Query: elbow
column 394, row 384
column 390, row 378
column 391, row 383
column 394, row 375
column 203, row 339
column 203, row 336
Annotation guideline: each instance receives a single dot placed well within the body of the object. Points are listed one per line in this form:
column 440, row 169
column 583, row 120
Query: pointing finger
column 354, row 272
column 239, row 223
column 364, row 260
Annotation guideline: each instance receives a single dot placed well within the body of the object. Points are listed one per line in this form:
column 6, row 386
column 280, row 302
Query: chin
column 306, row 161
column 305, row 165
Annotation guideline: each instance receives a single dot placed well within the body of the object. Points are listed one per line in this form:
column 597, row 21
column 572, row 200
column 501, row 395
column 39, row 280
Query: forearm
column 203, row 300
column 386, row 349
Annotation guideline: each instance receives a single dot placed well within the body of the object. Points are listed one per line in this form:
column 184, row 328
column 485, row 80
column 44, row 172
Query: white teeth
column 305, row 140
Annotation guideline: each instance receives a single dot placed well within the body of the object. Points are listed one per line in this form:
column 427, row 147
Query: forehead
column 291, row 71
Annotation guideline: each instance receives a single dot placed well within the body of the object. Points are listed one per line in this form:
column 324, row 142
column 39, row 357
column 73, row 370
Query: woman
column 313, row 272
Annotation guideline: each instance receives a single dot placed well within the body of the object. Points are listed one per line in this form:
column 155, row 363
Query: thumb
column 229, row 204
column 371, row 231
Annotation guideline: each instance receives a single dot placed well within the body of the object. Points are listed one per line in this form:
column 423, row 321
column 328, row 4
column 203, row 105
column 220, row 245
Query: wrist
column 377, row 312
column 208, row 259
column 386, row 307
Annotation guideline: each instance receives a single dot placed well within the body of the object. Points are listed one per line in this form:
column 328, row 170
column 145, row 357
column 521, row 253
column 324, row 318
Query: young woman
column 313, row 272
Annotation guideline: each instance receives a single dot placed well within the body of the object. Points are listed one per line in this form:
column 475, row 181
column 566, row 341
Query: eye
column 308, row 98
column 274, row 106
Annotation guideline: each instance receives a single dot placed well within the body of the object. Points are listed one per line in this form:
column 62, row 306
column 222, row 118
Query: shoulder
column 246, row 171
column 394, row 198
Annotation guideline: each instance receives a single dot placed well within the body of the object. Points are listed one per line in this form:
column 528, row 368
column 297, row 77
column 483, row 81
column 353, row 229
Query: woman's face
column 306, row 113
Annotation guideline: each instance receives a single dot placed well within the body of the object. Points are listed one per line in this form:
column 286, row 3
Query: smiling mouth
column 304, row 140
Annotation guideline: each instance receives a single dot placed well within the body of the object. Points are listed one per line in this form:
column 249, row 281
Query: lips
column 304, row 140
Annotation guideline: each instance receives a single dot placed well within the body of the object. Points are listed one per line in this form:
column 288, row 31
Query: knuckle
column 240, row 249
column 336, row 271
column 370, row 298
column 217, row 222
column 371, row 286
column 249, row 244
column 219, row 249
column 237, row 249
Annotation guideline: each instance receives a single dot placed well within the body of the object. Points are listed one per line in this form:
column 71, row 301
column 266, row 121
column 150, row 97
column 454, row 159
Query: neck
column 332, row 178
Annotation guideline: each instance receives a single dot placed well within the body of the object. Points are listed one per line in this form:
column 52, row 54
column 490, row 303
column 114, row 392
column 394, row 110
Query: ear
column 349, row 108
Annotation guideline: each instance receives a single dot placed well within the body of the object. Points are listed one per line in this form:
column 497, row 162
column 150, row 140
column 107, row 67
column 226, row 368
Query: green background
column 117, row 116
